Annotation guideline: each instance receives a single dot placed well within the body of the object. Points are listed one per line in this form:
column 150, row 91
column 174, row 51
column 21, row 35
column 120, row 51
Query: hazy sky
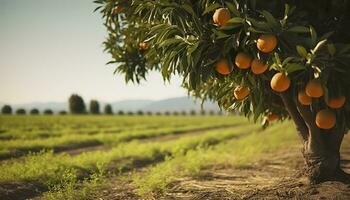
column 52, row 48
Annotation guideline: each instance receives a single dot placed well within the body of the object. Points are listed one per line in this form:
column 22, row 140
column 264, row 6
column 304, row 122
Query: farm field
column 146, row 157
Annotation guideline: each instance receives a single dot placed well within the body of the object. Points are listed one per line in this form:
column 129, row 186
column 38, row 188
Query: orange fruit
column 314, row 88
column 118, row 10
column 221, row 16
column 143, row 45
column 241, row 92
column 304, row 99
column 266, row 43
column 280, row 82
column 258, row 66
column 222, row 67
column 272, row 117
column 325, row 119
column 336, row 102
column 243, row 60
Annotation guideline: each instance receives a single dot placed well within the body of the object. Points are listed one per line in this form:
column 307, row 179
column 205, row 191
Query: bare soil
column 275, row 177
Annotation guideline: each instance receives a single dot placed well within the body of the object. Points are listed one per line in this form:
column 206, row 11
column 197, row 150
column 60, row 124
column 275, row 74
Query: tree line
column 77, row 106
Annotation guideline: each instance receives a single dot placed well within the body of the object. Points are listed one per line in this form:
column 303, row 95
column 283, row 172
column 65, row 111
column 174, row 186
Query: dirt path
column 276, row 177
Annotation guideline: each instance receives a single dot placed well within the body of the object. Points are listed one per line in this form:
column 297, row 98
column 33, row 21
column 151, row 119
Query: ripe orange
column 266, row 43
column 243, row 60
column 241, row 92
column 314, row 88
column 258, row 67
column 143, row 45
column 118, row 10
column 336, row 102
column 221, row 16
column 325, row 119
column 222, row 67
column 280, row 82
column 304, row 99
column 272, row 117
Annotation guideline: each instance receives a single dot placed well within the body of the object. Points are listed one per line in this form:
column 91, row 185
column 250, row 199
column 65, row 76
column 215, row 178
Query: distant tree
column 149, row 113
column 130, row 113
column 167, row 113
column 94, row 107
column 76, row 104
column 108, row 110
column 211, row 112
column 140, row 112
column 34, row 111
column 183, row 112
column 21, row 111
column 203, row 112
column 62, row 112
column 6, row 110
column 175, row 113
column 120, row 112
column 48, row 112
column 193, row 112
column 158, row 113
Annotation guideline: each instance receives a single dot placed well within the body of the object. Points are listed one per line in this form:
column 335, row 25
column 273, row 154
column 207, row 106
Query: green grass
column 233, row 152
column 81, row 176
column 75, row 131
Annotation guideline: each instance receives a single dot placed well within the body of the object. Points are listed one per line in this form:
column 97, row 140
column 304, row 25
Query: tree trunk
column 321, row 149
column 322, row 162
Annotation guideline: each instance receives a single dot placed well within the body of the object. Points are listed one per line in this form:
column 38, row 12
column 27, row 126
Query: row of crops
column 131, row 148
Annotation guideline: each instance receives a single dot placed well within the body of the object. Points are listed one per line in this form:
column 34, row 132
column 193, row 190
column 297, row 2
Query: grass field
column 76, row 157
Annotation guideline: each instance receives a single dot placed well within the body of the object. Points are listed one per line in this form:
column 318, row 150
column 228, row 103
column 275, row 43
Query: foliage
column 94, row 107
column 139, row 112
column 120, row 112
column 62, row 112
column 6, row 110
column 21, row 111
column 313, row 42
column 76, row 104
column 34, row 111
column 48, row 112
column 108, row 110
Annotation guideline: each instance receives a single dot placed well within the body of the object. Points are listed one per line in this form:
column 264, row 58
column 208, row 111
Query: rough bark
column 321, row 149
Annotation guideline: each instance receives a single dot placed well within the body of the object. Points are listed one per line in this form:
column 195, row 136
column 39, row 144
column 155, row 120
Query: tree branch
column 295, row 115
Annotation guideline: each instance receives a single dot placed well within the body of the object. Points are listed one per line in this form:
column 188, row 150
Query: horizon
column 100, row 101
column 59, row 51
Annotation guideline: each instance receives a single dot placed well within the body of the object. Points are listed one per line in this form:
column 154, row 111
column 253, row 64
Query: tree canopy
column 182, row 38
column 76, row 104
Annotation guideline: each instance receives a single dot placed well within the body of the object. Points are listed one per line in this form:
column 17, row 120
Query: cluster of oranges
column 280, row 82
column 266, row 44
column 325, row 118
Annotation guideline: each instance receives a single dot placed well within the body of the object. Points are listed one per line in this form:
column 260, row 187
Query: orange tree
column 269, row 60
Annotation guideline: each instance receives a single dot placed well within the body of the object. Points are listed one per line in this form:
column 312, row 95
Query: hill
column 171, row 104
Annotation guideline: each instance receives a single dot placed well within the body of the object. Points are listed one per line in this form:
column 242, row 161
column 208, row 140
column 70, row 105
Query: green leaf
column 220, row 34
column 270, row 19
column 302, row 51
column 235, row 20
column 299, row 29
column 189, row 9
column 230, row 27
column 331, row 49
column 211, row 8
column 232, row 8
column 313, row 35
column 293, row 67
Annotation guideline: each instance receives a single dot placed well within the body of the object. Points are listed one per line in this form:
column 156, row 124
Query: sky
column 50, row 49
